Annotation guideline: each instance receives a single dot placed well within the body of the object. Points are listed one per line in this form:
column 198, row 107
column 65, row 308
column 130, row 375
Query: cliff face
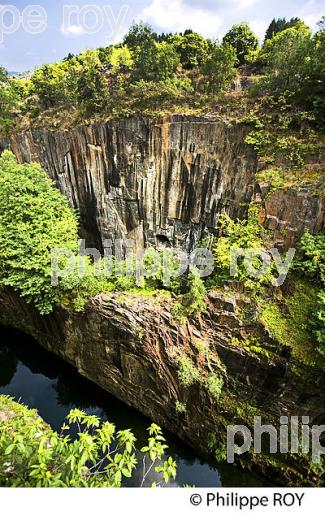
column 165, row 181
column 159, row 180
column 131, row 346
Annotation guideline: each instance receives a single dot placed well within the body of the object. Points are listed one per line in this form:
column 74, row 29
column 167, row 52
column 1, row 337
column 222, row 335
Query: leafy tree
column 313, row 88
column 8, row 100
column 279, row 25
column 243, row 40
column 34, row 218
column 91, row 91
column 139, row 35
column 288, row 58
column 191, row 48
column 33, row 455
column 219, row 67
column 49, row 83
column 120, row 56
column 152, row 61
column 166, row 61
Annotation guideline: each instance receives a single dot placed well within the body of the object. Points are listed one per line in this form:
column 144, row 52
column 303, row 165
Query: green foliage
column 214, row 385
column 50, row 84
column 295, row 63
column 33, row 455
column 90, row 89
column 152, row 61
column 193, row 302
column 138, row 36
column 279, row 25
column 290, row 47
column 9, row 99
column 34, row 218
column 311, row 264
column 192, row 49
column 154, row 452
column 160, row 74
column 291, row 321
column 282, row 135
column 217, row 447
column 180, row 407
column 237, row 235
column 251, row 344
column 243, row 40
column 218, row 67
column 188, row 373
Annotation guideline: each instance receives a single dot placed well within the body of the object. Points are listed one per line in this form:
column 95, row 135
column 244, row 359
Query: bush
column 9, row 99
column 243, row 40
column 214, row 385
column 193, row 302
column 311, row 264
column 236, row 235
column 33, row 455
column 188, row 373
column 34, row 218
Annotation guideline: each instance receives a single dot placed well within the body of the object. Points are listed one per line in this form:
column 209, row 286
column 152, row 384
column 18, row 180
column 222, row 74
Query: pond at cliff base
column 41, row 380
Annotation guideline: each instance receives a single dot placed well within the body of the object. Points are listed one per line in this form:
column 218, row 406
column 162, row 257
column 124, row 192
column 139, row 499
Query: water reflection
column 41, row 380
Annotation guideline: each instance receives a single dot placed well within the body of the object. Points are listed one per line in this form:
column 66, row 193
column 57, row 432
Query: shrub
column 180, row 407
column 311, row 264
column 193, row 302
column 188, row 373
column 236, row 235
column 34, row 218
column 33, row 455
column 214, row 385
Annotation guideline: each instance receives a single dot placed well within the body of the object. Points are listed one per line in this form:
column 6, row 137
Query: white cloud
column 175, row 15
column 312, row 19
column 259, row 28
column 244, row 4
column 214, row 5
column 311, row 13
column 72, row 30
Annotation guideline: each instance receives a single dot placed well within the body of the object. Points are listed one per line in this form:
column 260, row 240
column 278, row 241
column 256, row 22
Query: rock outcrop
column 131, row 347
column 159, row 181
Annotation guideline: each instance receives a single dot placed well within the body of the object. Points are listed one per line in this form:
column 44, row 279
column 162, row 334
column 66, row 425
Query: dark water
column 42, row 381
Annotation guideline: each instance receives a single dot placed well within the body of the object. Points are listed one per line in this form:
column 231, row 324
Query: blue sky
column 21, row 50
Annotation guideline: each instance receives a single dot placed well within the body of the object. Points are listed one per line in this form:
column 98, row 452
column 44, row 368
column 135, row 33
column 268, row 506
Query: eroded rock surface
column 162, row 180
